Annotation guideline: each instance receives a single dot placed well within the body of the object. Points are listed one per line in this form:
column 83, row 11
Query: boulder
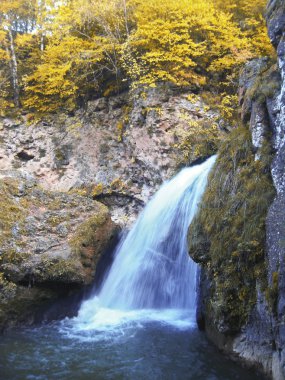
column 50, row 244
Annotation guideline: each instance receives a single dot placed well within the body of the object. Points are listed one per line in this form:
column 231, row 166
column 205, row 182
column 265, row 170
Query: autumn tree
column 183, row 42
column 82, row 55
column 249, row 15
column 17, row 17
column 59, row 54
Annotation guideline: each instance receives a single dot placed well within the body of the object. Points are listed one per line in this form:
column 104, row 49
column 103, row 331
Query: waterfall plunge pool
column 141, row 323
column 154, row 345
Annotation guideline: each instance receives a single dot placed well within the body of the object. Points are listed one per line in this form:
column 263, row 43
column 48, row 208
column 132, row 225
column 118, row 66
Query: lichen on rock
column 48, row 240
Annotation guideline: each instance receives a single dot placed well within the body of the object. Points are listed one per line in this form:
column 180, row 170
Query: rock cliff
column 238, row 235
column 118, row 150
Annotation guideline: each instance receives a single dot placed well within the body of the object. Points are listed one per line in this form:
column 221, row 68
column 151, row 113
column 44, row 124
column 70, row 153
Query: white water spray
column 152, row 269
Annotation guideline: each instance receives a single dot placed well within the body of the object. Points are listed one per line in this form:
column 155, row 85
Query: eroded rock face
column 50, row 243
column 119, row 149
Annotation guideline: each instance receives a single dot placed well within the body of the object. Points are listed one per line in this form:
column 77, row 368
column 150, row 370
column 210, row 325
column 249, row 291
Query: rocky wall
column 117, row 149
column 242, row 281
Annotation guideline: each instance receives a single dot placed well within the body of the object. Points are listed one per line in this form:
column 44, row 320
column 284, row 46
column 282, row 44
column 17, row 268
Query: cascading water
column 152, row 268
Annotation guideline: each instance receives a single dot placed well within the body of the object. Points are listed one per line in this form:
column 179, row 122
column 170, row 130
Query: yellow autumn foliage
column 62, row 75
column 72, row 50
column 182, row 42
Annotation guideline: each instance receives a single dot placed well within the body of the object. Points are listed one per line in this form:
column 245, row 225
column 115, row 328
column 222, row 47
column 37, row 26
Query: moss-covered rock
column 48, row 240
column 24, row 305
column 228, row 234
column 259, row 81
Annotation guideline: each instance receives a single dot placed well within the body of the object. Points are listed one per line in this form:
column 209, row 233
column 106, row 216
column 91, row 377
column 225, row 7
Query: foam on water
column 103, row 324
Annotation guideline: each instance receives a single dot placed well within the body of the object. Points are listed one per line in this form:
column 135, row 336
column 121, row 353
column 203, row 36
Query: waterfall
column 152, row 268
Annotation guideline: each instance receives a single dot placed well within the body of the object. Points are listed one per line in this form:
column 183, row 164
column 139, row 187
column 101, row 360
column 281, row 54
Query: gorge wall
column 238, row 235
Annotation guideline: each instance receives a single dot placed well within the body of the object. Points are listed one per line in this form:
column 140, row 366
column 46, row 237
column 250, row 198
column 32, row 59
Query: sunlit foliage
column 58, row 54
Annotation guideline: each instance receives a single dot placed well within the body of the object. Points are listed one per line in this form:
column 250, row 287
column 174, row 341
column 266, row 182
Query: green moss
column 7, row 289
column 201, row 139
column 55, row 219
column 59, row 155
column 266, row 84
column 22, row 304
column 85, row 234
column 11, row 213
column 123, row 122
column 58, row 270
column 13, row 256
column 228, row 234
column 271, row 293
